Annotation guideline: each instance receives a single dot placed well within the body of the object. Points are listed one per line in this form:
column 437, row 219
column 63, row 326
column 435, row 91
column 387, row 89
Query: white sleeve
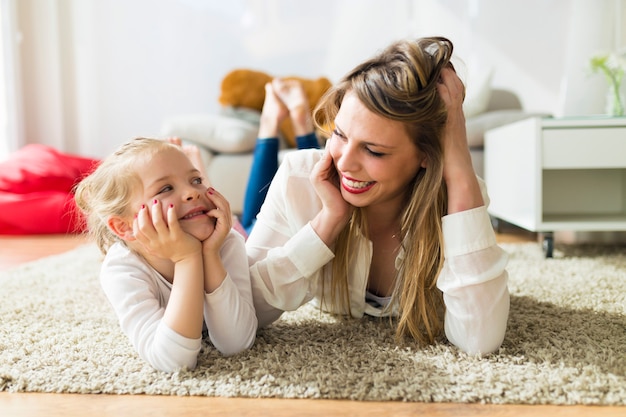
column 474, row 282
column 284, row 252
column 229, row 311
column 133, row 291
column 283, row 277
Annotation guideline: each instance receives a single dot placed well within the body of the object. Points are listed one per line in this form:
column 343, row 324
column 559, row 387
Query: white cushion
column 477, row 92
column 477, row 126
column 229, row 175
column 219, row 133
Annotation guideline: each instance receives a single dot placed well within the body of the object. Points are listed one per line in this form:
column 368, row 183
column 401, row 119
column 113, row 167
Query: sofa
column 226, row 140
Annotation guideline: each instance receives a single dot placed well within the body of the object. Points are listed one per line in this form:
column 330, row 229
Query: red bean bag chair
column 36, row 191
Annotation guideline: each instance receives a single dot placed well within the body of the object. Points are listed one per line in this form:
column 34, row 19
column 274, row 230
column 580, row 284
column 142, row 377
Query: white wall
column 538, row 48
column 11, row 124
column 96, row 73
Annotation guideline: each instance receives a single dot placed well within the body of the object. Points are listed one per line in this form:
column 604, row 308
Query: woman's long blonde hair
column 109, row 189
column 400, row 83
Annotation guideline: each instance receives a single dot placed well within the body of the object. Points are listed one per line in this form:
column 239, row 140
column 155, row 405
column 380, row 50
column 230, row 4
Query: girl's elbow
column 234, row 349
column 238, row 345
column 174, row 366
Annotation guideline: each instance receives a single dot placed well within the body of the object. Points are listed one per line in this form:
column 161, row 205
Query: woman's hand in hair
column 463, row 189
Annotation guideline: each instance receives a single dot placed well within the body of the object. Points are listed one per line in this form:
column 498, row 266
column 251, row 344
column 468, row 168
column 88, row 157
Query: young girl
column 173, row 262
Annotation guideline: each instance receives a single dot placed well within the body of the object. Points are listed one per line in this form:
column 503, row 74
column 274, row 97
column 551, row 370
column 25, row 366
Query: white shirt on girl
column 139, row 295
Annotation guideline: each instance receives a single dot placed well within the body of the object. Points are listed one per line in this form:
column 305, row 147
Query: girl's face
column 171, row 178
column 374, row 156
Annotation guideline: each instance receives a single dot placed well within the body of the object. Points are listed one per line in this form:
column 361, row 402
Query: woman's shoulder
column 301, row 160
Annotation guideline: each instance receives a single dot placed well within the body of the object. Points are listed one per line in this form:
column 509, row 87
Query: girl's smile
column 171, row 178
column 194, row 213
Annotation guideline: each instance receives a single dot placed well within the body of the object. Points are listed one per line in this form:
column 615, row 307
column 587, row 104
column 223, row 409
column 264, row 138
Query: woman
column 390, row 218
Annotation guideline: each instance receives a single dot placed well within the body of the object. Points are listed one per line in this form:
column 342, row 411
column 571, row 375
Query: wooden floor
column 17, row 250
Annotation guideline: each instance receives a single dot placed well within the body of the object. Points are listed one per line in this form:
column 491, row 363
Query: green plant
column 613, row 66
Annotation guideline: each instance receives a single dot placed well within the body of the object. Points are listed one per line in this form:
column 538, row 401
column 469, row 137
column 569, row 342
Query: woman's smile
column 375, row 157
column 354, row 186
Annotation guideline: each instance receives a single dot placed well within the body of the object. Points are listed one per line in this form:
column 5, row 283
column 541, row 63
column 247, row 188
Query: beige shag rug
column 565, row 344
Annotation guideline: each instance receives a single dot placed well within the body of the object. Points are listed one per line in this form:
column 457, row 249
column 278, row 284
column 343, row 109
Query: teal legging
column 264, row 166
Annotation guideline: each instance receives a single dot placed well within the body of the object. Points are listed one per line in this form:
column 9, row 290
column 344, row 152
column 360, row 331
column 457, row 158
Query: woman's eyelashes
column 338, row 134
column 373, row 153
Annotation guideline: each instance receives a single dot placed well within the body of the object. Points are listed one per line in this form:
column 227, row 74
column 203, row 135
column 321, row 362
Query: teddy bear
column 245, row 88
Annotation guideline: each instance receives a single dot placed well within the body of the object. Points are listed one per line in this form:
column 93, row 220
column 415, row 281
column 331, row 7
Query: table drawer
column 584, row 148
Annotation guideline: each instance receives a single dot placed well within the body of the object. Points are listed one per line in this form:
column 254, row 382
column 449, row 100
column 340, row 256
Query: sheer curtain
column 11, row 135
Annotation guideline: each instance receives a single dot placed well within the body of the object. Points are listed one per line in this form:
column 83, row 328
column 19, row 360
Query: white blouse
column 286, row 258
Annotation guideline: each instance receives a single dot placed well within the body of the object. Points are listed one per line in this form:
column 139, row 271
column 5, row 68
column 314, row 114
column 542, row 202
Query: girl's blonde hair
column 109, row 189
column 400, row 83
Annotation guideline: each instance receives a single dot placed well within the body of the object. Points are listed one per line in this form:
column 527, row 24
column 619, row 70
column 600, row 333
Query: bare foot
column 175, row 141
column 273, row 113
column 292, row 94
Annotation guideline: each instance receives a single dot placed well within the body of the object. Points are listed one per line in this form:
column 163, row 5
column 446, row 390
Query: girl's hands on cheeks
column 458, row 171
column 214, row 271
column 223, row 222
column 335, row 212
column 161, row 237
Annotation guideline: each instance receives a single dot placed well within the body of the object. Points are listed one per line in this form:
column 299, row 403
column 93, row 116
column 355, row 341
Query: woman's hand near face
column 335, row 212
column 164, row 238
column 214, row 271
column 463, row 189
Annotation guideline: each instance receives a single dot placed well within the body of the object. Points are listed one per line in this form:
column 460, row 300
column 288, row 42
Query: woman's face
column 170, row 177
column 374, row 156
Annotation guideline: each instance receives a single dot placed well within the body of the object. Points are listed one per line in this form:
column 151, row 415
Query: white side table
column 553, row 174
